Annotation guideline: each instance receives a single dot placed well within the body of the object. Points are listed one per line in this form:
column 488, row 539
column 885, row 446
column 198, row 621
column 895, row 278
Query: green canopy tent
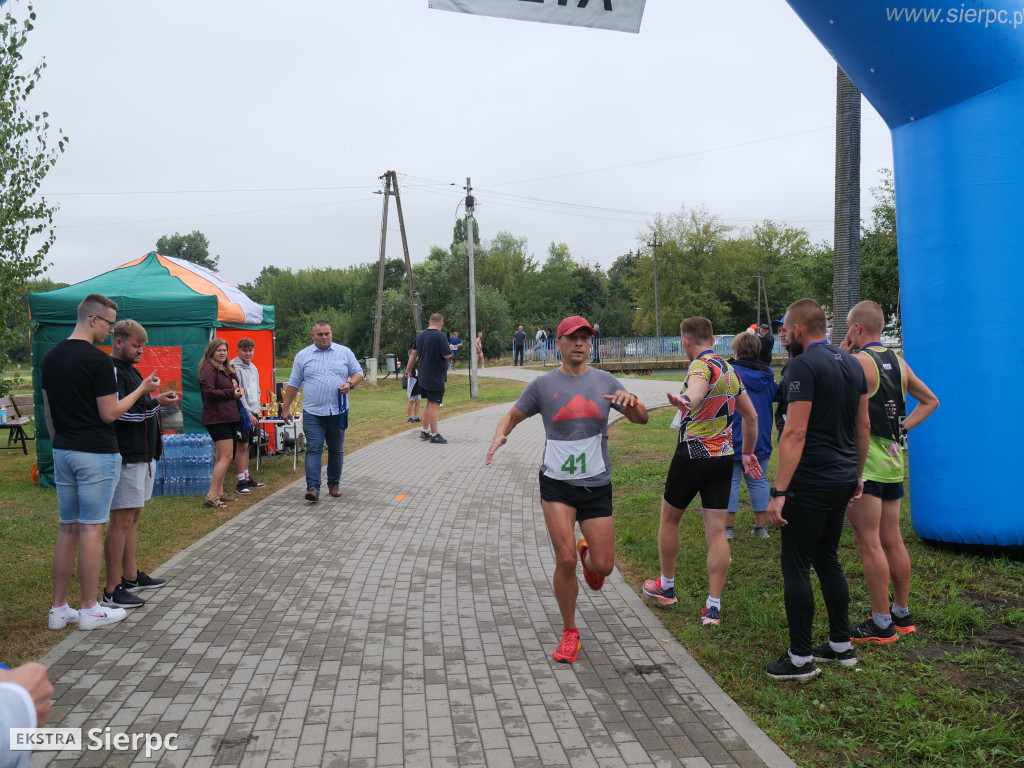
column 181, row 305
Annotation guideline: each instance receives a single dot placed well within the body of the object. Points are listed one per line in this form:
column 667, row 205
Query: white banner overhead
column 620, row 15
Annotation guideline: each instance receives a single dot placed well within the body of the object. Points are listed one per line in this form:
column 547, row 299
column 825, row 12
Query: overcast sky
column 266, row 125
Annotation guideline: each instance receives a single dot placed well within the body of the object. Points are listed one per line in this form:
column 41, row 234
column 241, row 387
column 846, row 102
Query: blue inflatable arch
column 948, row 83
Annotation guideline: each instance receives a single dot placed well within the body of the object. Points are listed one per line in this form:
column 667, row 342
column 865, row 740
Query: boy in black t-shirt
column 80, row 401
column 431, row 355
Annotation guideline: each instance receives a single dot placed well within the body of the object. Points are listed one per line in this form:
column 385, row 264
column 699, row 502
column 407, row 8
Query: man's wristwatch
column 775, row 493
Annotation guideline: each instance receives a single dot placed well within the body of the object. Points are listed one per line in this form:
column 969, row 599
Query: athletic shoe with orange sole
column 869, row 632
column 905, row 625
column 710, row 616
column 653, row 590
column 594, row 581
column 569, row 649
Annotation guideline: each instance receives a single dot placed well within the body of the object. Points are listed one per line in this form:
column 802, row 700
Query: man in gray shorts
column 138, row 440
column 575, row 476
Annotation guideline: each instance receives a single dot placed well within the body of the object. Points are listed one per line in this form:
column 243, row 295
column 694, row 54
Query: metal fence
column 643, row 348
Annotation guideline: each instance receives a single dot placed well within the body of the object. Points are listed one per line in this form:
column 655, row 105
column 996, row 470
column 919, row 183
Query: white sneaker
column 103, row 617
column 59, row 617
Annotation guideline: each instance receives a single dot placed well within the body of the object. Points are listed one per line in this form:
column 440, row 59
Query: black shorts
column 433, row 395
column 711, row 478
column 589, row 502
column 884, row 491
column 243, row 435
column 227, row 431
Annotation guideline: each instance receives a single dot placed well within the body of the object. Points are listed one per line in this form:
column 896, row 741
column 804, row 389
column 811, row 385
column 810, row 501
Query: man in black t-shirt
column 81, row 404
column 821, row 464
column 431, row 355
column 767, row 344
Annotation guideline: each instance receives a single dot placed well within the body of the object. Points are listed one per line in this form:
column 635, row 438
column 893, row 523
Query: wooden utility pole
column 657, row 293
column 390, row 188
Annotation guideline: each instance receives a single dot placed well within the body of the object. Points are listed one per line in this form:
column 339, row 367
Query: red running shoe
column 594, row 581
column 569, row 648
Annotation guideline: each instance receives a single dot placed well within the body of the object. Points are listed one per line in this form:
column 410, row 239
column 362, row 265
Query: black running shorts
column 711, row 478
column 589, row 502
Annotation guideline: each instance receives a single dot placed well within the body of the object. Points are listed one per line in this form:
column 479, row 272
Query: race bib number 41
column 574, row 459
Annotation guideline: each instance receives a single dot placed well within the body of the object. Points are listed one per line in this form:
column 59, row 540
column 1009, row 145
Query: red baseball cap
column 573, row 324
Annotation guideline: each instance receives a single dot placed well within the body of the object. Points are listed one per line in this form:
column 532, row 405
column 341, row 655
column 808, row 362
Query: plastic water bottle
column 3, row 414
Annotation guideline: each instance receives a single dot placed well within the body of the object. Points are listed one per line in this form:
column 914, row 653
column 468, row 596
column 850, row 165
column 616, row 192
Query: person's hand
column 847, row 343
column 751, row 466
column 498, row 442
column 32, row 677
column 775, row 511
column 345, row 388
column 623, row 399
column 239, row 392
column 678, row 402
column 286, row 415
column 151, row 383
column 857, row 493
column 166, row 398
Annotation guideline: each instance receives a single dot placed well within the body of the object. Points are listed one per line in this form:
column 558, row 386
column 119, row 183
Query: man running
column 712, row 393
column 875, row 516
column 575, row 476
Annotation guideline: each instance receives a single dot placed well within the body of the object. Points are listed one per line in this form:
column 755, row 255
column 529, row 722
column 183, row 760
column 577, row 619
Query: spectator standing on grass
column 81, row 406
column 249, row 380
column 539, row 339
column 327, row 373
column 759, row 381
column 480, row 348
column 454, row 342
column 140, row 445
column 712, row 393
column 431, row 355
column 597, row 343
column 875, row 516
column 821, row 460
column 218, row 386
column 518, row 346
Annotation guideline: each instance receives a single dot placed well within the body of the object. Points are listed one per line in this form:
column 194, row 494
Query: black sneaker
column 785, row 669
column 424, row 434
column 242, row 486
column 254, row 484
column 869, row 632
column 826, row 652
column 905, row 625
column 438, row 439
column 142, row 581
column 121, row 598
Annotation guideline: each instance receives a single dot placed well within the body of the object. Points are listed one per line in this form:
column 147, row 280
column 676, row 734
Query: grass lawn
column 28, row 514
column 948, row 695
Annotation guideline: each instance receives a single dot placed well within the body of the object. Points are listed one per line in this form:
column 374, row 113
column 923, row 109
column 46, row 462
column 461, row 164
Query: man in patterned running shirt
column 575, row 476
column 712, row 393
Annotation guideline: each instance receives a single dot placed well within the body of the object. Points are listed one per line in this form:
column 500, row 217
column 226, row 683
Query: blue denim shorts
column 85, row 484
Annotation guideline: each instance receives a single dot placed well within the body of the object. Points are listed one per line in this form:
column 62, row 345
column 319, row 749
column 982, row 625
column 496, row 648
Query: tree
column 459, row 232
column 193, row 247
column 26, row 160
column 879, row 266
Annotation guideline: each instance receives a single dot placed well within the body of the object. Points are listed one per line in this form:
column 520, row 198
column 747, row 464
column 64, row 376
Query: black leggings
column 814, row 519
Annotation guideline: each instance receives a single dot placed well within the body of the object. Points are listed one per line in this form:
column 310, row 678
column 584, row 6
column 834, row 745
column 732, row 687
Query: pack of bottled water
column 186, row 466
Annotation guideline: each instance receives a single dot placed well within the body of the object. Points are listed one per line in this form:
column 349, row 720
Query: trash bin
column 392, row 363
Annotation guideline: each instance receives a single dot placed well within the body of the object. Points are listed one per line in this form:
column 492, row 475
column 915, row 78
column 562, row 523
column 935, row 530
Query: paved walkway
column 410, row 622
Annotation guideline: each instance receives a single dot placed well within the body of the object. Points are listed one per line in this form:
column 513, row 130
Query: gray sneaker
column 437, row 439
column 730, row 532
column 759, row 532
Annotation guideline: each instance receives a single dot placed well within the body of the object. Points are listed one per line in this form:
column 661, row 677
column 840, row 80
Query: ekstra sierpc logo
column 60, row 739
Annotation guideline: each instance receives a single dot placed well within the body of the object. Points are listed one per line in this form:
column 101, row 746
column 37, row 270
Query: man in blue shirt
column 327, row 372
